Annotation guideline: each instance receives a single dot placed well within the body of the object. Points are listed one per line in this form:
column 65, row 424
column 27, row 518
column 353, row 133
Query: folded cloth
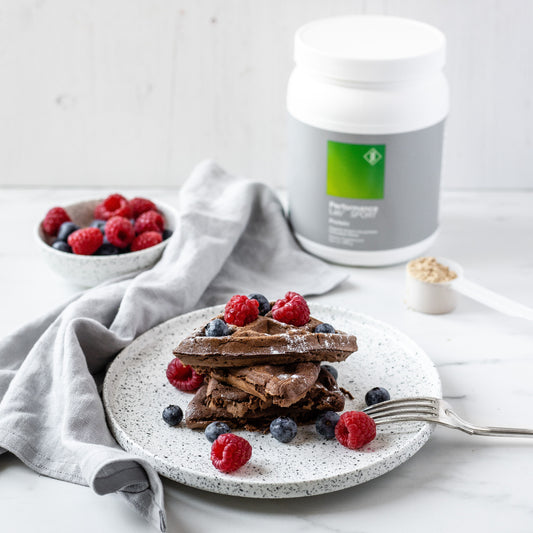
column 232, row 236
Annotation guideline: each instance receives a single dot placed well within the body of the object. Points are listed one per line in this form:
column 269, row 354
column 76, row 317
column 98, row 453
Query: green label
column 356, row 170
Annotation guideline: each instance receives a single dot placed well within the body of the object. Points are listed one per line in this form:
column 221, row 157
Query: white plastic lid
column 370, row 48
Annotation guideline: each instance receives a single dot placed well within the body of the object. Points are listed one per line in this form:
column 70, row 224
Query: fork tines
column 423, row 407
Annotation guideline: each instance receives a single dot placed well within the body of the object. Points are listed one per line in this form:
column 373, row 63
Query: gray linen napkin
column 232, row 237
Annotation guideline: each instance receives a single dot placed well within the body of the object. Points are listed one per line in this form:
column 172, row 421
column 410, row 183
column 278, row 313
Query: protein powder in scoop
column 428, row 269
column 429, row 286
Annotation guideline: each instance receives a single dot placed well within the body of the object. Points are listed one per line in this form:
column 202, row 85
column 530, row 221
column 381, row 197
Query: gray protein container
column 367, row 102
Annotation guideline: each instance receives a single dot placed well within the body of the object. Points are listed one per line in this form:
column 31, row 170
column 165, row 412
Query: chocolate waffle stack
column 263, row 370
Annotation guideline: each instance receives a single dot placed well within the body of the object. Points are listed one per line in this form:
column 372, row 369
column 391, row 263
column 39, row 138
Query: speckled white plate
column 136, row 391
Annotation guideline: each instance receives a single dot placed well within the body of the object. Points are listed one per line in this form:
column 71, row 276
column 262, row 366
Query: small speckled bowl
column 90, row 270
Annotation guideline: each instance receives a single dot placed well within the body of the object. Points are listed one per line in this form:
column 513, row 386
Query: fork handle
column 489, row 431
column 501, row 432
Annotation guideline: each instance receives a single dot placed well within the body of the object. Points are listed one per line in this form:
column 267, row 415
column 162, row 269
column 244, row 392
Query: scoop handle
column 492, row 299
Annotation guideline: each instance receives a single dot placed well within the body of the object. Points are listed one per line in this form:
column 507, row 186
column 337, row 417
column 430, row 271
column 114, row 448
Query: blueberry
column 65, row 230
column 332, row 370
column 324, row 328
column 377, row 395
column 167, row 233
column 97, row 223
column 215, row 429
column 107, row 249
column 264, row 304
column 325, row 424
column 283, row 429
column 217, row 328
column 62, row 246
column 172, row 415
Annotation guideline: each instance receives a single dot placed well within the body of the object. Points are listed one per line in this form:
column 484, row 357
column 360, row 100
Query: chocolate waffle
column 264, row 341
column 281, row 385
column 215, row 401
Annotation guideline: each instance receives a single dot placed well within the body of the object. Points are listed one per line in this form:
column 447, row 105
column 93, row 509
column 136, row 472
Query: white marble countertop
column 454, row 483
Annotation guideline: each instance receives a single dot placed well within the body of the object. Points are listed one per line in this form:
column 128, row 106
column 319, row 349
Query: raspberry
column 292, row 309
column 100, row 212
column 119, row 231
column 141, row 205
column 241, row 310
column 183, row 377
column 146, row 240
column 149, row 221
column 85, row 241
column 355, row 429
column 115, row 205
column 229, row 452
column 53, row 220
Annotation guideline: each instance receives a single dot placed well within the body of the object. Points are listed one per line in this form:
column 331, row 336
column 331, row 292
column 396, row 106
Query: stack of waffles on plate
column 262, row 370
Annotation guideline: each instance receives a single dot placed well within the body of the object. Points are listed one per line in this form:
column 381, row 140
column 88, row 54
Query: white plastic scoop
column 441, row 297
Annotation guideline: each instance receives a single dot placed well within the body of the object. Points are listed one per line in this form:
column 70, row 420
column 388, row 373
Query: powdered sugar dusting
column 296, row 342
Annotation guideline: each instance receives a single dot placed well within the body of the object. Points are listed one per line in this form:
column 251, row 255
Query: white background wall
column 118, row 92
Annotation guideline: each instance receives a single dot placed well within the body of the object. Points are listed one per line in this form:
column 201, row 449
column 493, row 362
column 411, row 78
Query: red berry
column 146, row 240
column 115, row 205
column 53, row 219
column 100, row 212
column 355, row 429
column 229, row 452
column 149, row 221
column 141, row 205
column 241, row 310
column 292, row 309
column 119, row 231
column 183, row 377
column 85, row 241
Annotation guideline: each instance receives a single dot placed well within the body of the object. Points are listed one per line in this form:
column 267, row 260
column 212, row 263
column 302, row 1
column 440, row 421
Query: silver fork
column 435, row 410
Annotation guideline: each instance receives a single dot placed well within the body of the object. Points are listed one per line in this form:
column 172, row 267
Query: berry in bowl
column 93, row 241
